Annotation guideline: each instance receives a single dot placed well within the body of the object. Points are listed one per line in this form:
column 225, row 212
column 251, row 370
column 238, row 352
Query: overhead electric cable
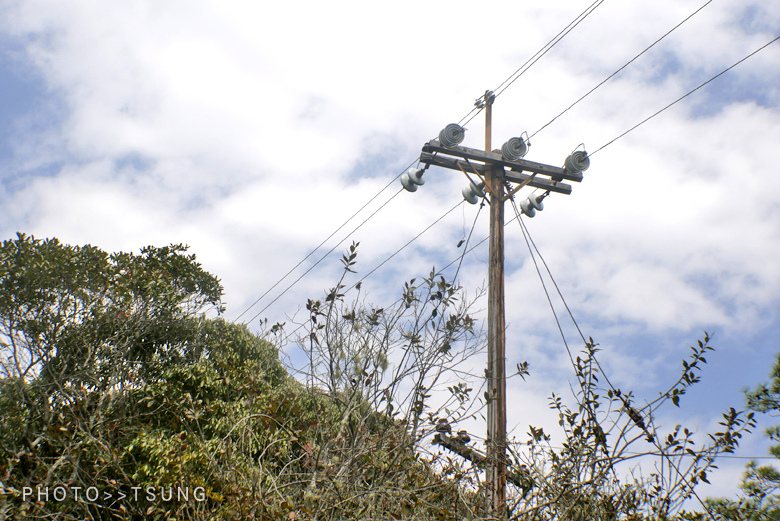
column 533, row 59
column 526, row 236
column 287, row 337
column 326, row 255
column 476, row 246
column 466, row 244
column 633, row 453
column 724, row 71
column 408, row 243
column 322, row 243
column 620, row 69
column 500, row 89
column 552, row 43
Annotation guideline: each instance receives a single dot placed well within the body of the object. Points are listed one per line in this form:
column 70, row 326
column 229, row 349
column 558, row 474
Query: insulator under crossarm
column 472, row 193
column 412, row 178
column 531, row 205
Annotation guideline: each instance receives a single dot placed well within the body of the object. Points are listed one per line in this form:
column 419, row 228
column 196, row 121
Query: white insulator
column 514, row 149
column 527, row 209
column 531, row 205
column 452, row 135
column 408, row 184
column 577, row 162
column 473, row 193
column 416, row 176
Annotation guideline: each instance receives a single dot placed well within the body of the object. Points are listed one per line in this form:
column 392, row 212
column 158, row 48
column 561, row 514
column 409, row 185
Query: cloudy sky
column 252, row 130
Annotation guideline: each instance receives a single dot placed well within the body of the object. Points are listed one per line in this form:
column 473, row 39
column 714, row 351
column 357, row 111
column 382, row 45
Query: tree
column 80, row 330
column 405, row 358
column 115, row 391
column 389, row 373
column 760, row 499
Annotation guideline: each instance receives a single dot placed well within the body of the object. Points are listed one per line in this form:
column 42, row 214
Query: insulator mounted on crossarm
column 452, row 135
column 472, row 193
column 514, row 149
column 412, row 178
column 532, row 204
column 577, row 162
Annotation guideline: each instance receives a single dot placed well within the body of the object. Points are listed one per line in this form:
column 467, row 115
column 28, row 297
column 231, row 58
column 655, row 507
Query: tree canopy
column 116, row 390
column 124, row 395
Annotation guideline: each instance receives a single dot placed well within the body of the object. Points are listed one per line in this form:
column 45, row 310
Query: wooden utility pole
column 492, row 172
column 496, row 337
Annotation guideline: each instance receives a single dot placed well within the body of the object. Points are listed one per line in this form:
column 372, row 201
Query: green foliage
column 377, row 369
column 760, row 497
column 606, row 430
column 78, row 314
column 113, row 380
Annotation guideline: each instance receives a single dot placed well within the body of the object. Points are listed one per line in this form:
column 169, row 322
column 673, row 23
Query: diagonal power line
column 721, row 73
column 632, row 60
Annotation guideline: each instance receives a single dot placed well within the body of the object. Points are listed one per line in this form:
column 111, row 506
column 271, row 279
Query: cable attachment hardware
column 412, row 178
column 578, row 161
column 533, row 204
column 486, row 99
column 452, row 135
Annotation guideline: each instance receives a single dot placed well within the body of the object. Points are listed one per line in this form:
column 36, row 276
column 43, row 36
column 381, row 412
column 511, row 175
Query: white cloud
column 252, row 131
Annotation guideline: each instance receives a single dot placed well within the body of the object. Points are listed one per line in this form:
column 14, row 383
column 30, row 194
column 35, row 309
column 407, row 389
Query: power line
column 533, row 59
column 500, row 89
column 407, row 244
column 654, row 440
column 681, row 454
column 621, row 68
column 321, row 244
column 724, row 71
column 527, row 235
column 326, row 255
column 544, row 50
column 287, row 337
column 466, row 245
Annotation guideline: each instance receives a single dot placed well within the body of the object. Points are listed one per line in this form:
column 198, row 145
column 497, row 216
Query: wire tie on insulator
column 527, row 139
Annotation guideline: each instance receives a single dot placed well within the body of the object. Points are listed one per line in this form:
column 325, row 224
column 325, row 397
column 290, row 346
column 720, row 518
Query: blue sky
column 251, row 132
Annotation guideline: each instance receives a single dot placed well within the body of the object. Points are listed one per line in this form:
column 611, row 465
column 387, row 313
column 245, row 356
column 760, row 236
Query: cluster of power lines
column 471, row 115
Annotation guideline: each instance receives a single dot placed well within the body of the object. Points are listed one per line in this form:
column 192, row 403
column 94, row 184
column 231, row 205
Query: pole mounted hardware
column 491, row 174
column 532, row 205
column 452, row 135
column 457, row 444
column 516, row 169
column 412, row 178
column 577, row 162
column 474, row 192
column 514, row 149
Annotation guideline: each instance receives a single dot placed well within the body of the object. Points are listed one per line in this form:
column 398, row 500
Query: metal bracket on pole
column 518, row 187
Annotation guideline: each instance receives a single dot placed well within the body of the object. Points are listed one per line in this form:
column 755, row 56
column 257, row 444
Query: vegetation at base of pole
column 118, row 375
